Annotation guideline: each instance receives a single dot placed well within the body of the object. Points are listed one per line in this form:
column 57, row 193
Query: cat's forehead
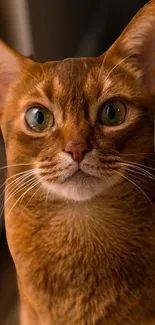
column 76, row 70
column 67, row 84
column 73, row 83
column 73, row 77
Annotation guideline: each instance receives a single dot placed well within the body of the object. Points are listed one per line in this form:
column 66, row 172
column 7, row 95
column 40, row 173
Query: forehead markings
column 57, row 86
column 67, row 86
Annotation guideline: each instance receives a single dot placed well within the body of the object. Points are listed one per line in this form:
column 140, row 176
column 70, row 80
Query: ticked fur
column 82, row 233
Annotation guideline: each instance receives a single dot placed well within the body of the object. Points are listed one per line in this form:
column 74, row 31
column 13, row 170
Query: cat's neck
column 126, row 204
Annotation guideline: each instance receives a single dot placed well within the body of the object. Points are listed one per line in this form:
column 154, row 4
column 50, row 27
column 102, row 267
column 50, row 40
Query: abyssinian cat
column 79, row 201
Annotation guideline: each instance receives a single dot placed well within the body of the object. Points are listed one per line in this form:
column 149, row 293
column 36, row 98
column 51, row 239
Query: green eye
column 112, row 113
column 39, row 118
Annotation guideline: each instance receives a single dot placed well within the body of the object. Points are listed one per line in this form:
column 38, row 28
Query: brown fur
column 90, row 261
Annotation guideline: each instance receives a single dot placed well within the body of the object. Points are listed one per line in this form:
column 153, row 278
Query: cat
column 79, row 196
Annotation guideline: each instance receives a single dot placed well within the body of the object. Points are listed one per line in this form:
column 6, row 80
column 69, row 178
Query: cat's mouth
column 79, row 176
column 90, row 172
column 82, row 181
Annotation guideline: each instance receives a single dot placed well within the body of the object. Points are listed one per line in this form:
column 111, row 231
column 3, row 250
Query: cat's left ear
column 11, row 65
column 136, row 46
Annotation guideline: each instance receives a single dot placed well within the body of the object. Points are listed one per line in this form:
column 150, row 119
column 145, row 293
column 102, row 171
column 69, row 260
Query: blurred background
column 53, row 30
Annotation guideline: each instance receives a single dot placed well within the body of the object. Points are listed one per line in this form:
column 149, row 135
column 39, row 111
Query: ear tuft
column 140, row 31
column 137, row 45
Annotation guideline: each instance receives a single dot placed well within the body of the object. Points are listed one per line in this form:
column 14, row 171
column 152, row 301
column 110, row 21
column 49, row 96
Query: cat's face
column 77, row 120
column 73, row 120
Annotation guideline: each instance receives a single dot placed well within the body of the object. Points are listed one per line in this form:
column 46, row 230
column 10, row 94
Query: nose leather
column 77, row 149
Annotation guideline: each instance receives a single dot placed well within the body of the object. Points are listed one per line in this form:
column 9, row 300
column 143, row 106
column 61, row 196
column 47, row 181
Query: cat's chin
column 79, row 187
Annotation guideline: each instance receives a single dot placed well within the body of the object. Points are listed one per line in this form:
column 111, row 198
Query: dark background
column 53, row 30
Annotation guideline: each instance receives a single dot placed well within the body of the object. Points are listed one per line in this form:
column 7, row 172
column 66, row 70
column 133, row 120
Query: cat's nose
column 77, row 149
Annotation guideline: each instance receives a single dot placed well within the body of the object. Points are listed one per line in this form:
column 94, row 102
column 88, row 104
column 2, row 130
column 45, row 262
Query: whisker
column 21, row 180
column 43, row 71
column 136, row 175
column 128, row 179
column 14, row 183
column 121, row 61
column 22, row 176
column 16, row 191
column 41, row 66
column 13, row 176
column 139, row 155
column 31, row 197
column 14, row 165
column 138, row 167
column 137, row 164
column 140, row 172
column 102, row 66
column 13, row 187
column 34, row 78
column 31, row 187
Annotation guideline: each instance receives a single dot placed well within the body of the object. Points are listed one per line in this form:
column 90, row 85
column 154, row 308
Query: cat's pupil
column 111, row 112
column 39, row 117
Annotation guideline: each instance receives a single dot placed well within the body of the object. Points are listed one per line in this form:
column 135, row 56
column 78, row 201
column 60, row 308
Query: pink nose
column 77, row 149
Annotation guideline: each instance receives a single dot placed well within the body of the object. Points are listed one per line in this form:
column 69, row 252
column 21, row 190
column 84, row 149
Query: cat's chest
column 73, row 240
column 81, row 264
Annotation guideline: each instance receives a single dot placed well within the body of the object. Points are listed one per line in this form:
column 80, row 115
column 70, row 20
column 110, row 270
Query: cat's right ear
column 11, row 64
column 134, row 50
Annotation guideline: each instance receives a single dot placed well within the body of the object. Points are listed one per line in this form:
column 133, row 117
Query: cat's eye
column 112, row 113
column 39, row 118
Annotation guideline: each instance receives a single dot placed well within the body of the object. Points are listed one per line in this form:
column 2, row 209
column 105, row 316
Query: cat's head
column 75, row 121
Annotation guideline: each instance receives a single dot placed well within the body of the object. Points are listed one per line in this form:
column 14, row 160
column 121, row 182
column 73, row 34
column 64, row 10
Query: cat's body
column 79, row 204
column 76, row 268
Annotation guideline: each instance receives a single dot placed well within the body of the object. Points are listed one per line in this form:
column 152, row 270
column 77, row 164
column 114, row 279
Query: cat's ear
column 11, row 64
column 136, row 45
